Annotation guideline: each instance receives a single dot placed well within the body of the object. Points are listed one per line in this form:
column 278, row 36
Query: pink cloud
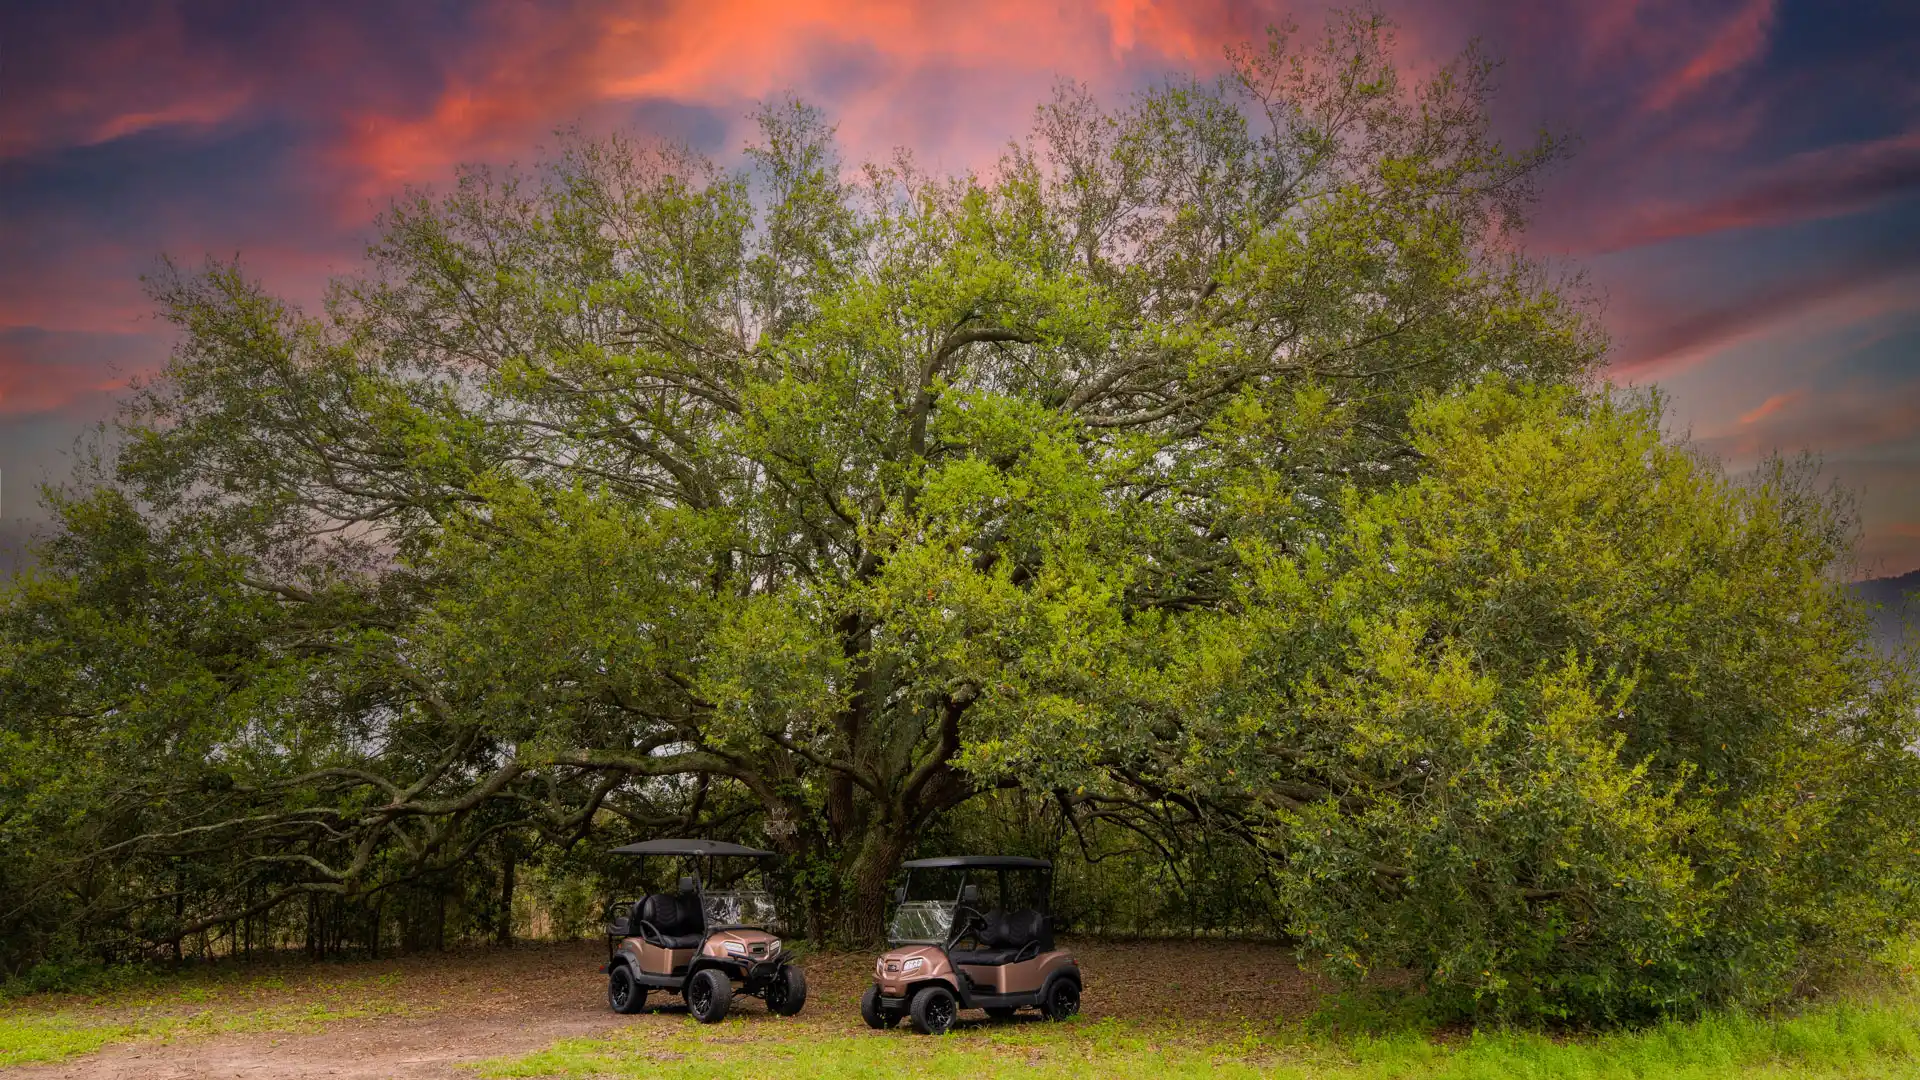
column 217, row 106
column 1659, row 335
column 1855, row 419
column 1827, row 182
column 43, row 372
column 145, row 71
column 1738, row 41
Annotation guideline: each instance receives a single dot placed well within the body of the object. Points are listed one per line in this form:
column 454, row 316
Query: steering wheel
column 964, row 920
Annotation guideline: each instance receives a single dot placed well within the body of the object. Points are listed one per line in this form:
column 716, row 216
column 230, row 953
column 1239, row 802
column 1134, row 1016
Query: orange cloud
column 1854, row 421
column 1770, row 406
column 546, row 66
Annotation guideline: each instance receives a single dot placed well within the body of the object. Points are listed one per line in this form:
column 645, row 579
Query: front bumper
column 751, row 972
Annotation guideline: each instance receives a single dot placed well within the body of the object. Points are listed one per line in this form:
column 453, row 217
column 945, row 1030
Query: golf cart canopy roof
column 979, row 862
column 690, row 847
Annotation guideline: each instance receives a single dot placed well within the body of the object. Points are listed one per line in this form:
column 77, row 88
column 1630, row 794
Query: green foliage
column 76, row 977
column 1572, row 725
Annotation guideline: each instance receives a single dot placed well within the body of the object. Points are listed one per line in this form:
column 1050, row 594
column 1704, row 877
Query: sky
column 1744, row 196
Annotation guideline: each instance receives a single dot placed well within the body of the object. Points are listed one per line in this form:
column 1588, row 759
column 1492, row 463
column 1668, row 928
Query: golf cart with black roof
column 699, row 942
column 971, row 932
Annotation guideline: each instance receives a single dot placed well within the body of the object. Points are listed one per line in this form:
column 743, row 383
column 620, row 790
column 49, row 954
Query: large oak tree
column 751, row 498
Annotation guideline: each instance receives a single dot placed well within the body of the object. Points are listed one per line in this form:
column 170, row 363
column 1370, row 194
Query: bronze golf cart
column 971, row 932
column 700, row 942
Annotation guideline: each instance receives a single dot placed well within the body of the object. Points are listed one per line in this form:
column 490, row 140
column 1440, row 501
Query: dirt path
column 473, row 1006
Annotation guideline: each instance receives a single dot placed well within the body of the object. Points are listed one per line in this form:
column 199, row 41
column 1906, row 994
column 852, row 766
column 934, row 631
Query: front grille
column 758, row 948
column 893, row 966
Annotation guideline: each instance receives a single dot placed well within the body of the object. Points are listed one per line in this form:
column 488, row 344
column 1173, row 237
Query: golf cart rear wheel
column 1063, row 999
column 624, row 992
column 1001, row 1012
column 877, row 1018
column 934, row 1010
column 787, row 993
column 708, row 996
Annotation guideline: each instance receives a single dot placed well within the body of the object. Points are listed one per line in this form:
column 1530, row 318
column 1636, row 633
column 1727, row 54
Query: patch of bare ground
column 434, row 1013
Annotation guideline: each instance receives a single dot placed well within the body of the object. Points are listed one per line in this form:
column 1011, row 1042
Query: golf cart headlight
column 735, row 948
column 773, row 947
column 913, row 964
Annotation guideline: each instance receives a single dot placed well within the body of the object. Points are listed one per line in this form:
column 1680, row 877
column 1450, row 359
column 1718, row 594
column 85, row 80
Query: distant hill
column 1898, row 602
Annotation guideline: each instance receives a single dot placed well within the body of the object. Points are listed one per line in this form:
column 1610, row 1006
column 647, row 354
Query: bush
column 74, row 977
column 1573, row 726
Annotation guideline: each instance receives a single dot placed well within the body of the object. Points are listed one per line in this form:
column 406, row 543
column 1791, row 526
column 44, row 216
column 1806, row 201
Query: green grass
column 1880, row 1039
column 1873, row 1032
column 26, row 1040
column 34, row 1031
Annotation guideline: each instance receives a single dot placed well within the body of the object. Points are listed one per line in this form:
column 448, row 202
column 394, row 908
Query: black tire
column 786, row 995
column 624, row 992
column 1001, row 1012
column 709, row 994
column 933, row 1010
column 1062, row 1000
column 877, row 1018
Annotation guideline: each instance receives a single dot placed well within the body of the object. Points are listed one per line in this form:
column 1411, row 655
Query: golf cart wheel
column 1063, row 999
column 624, row 992
column 934, row 1010
column 877, row 1018
column 708, row 996
column 1001, row 1012
column 786, row 995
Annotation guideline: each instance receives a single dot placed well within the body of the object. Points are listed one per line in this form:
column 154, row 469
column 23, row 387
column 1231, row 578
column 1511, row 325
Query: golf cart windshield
column 923, row 913
column 740, row 907
column 924, row 922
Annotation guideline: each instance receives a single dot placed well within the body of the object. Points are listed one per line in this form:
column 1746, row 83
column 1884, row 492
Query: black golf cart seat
column 1007, row 938
column 673, row 920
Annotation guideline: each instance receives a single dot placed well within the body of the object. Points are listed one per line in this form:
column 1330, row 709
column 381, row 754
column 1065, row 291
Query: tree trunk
column 503, row 932
column 881, row 851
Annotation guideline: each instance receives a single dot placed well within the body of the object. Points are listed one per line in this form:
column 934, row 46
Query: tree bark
column 503, row 931
column 881, row 851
